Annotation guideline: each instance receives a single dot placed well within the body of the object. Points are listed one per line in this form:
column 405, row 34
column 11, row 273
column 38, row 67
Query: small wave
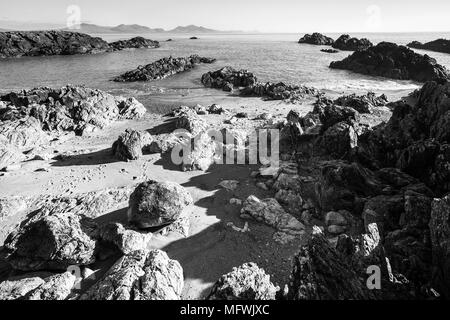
column 370, row 85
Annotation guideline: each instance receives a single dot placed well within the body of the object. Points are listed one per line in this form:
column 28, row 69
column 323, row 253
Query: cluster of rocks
column 228, row 79
column 55, row 42
column 61, row 234
column 393, row 61
column 439, row 45
column 30, row 117
column 135, row 43
column 162, row 68
column 317, row 39
column 347, row 43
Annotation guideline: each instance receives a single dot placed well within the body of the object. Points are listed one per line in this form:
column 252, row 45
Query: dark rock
column 279, row 91
column 338, row 140
column 162, row 68
column 193, row 38
column 130, row 144
column 329, row 50
column 346, row 43
column 330, row 115
column 228, row 75
column 140, row 275
column 362, row 104
column 247, row 282
column 154, row 204
column 439, row 45
column 136, row 42
column 317, row 39
column 46, row 43
column 393, row 61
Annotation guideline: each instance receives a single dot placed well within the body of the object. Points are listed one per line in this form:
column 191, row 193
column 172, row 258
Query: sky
column 246, row 15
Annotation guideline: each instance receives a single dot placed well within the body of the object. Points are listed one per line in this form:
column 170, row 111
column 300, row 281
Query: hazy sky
column 248, row 15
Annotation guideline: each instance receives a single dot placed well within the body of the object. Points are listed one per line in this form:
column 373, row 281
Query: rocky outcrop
column 71, row 108
column 247, row 282
column 135, row 43
column 58, row 42
column 439, row 45
column 317, row 39
column 140, row 275
column 229, row 79
column 57, row 287
column 346, row 43
column 162, row 68
column 155, row 204
column 130, row 144
column 53, row 238
column 46, row 43
column 362, row 104
column 14, row 289
column 393, row 61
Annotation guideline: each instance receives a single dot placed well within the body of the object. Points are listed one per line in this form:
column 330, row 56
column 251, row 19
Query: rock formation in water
column 329, row 50
column 393, row 61
column 346, row 43
column 439, row 45
column 162, row 68
column 317, row 39
column 53, row 42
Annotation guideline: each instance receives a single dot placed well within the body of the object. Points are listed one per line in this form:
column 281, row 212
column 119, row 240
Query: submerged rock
column 317, row 39
column 393, row 61
column 155, row 204
column 346, row 43
column 247, row 282
column 162, row 68
column 140, row 275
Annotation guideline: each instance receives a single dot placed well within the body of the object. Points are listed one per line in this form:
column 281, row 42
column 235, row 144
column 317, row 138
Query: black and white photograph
column 227, row 158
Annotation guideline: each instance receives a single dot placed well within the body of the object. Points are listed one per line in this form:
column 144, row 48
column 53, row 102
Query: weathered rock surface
column 317, row 39
column 14, row 289
column 247, row 282
column 439, row 45
column 52, row 238
column 57, row 287
column 154, row 204
column 392, row 61
column 347, row 43
column 136, row 43
column 130, row 144
column 362, row 104
column 126, row 240
column 140, row 275
column 9, row 155
column 226, row 77
column 162, row 68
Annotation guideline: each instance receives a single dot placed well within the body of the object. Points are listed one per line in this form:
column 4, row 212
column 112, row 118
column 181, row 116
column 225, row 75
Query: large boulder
column 228, row 76
column 155, row 204
column 16, row 288
column 57, row 287
column 53, row 238
column 439, row 45
column 393, row 61
column 162, row 68
column 140, row 275
column 347, row 43
column 247, row 282
column 317, row 39
column 339, row 140
column 130, row 144
column 130, row 108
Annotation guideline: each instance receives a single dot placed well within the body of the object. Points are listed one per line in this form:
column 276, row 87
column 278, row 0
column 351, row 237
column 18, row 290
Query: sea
column 271, row 57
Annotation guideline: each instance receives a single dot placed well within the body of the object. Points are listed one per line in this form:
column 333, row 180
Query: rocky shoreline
column 47, row 43
column 439, row 45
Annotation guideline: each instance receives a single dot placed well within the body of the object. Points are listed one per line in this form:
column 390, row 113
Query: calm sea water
column 271, row 57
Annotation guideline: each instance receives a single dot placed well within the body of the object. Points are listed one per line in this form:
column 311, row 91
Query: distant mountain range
column 136, row 29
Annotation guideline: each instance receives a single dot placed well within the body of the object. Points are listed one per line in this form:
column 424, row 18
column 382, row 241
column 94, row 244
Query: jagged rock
column 189, row 120
column 279, row 91
column 9, row 155
column 46, row 43
column 14, row 289
column 345, row 42
column 162, row 68
column 330, row 115
column 393, row 61
column 140, row 275
column 130, row 108
column 22, row 133
column 154, row 204
column 440, row 240
column 52, row 238
column 126, row 240
column 57, row 287
column 130, row 144
column 291, row 200
column 339, row 139
column 247, row 282
column 362, row 104
column 271, row 213
column 321, row 273
column 228, row 76
column 317, row 39
column 439, row 45
column 136, row 42
column 215, row 109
